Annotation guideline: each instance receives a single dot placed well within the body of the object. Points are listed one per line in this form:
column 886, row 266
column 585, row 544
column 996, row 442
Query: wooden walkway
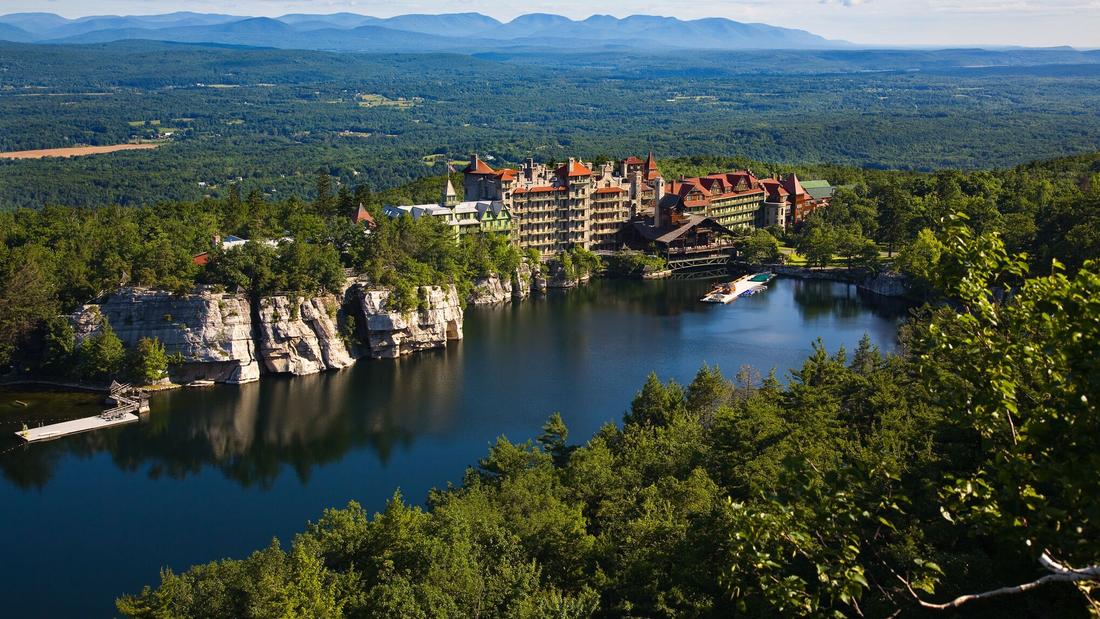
column 129, row 402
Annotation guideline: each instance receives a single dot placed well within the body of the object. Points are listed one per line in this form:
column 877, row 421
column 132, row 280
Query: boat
column 202, row 382
column 721, row 294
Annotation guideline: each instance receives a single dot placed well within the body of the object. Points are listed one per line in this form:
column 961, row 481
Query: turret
column 449, row 198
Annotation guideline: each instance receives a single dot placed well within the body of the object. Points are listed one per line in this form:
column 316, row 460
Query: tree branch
column 1059, row 573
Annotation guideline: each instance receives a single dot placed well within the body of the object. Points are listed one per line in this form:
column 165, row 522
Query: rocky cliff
column 299, row 335
column 887, row 284
column 490, row 291
column 494, row 289
column 521, row 282
column 557, row 278
column 394, row 333
column 211, row 330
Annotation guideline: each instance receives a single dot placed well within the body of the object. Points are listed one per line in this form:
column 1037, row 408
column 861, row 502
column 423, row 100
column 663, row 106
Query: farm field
column 75, row 151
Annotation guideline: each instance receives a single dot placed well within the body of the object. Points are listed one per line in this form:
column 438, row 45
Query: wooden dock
column 128, row 403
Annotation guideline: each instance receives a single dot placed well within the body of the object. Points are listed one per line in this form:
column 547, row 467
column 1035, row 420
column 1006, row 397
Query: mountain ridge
column 458, row 32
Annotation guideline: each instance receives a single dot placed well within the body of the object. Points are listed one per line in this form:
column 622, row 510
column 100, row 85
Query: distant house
column 364, row 216
column 230, row 241
column 201, row 259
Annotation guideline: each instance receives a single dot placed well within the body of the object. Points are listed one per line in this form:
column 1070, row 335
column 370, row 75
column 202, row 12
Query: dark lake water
column 219, row 472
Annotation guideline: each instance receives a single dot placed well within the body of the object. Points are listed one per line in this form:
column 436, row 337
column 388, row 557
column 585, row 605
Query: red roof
column 477, row 166
column 506, row 174
column 632, row 160
column 792, row 185
column 363, row 215
column 572, row 169
column 609, row 190
column 651, row 171
column 201, row 259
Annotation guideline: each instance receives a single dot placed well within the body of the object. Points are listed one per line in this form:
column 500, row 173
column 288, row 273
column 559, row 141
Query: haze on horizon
column 1031, row 23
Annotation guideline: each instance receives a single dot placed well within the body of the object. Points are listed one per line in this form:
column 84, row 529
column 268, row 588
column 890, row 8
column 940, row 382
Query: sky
column 878, row 22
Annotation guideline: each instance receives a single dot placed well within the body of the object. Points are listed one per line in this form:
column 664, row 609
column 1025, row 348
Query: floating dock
column 129, row 402
column 726, row 293
column 75, row 426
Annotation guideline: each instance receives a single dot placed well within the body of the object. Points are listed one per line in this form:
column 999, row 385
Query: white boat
column 202, row 382
column 722, row 294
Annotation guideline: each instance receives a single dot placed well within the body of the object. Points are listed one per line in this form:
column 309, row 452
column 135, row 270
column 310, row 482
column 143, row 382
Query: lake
column 219, row 472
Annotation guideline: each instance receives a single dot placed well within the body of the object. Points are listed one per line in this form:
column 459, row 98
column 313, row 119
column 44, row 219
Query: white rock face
column 495, row 289
column 301, row 335
column 392, row 334
column 212, row 331
column 490, row 291
column 521, row 282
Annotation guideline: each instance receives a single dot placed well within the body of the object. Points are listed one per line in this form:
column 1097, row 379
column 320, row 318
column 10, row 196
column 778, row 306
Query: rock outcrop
column 887, row 285
column 212, row 331
column 494, row 289
column 298, row 335
column 521, row 282
column 557, row 278
column 437, row 320
column 490, row 290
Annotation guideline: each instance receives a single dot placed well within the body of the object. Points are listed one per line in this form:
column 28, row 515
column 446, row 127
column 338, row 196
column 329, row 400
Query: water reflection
column 530, row 358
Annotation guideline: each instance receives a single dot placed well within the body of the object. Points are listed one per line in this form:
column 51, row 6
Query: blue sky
column 890, row 22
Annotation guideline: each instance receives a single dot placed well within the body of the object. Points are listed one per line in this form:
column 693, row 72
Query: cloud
column 847, row 3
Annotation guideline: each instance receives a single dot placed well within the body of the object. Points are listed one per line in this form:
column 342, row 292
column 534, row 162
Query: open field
column 75, row 151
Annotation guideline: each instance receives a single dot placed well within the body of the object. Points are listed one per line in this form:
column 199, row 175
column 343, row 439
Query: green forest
column 956, row 476
column 866, row 485
column 271, row 118
column 54, row 259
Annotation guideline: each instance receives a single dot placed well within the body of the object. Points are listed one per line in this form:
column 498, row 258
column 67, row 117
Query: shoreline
column 836, row 274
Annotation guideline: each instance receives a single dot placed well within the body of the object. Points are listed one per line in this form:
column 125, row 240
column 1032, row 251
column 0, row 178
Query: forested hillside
column 274, row 118
column 866, row 486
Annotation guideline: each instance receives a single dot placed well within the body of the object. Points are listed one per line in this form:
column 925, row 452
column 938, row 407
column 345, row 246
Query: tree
column 28, row 296
column 1022, row 373
column 656, row 403
column 101, row 353
column 894, row 211
column 760, row 247
column 818, row 243
column 324, row 203
column 920, row 260
column 149, row 361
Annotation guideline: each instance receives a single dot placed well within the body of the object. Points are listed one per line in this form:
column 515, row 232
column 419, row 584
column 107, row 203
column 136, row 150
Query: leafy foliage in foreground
column 866, row 478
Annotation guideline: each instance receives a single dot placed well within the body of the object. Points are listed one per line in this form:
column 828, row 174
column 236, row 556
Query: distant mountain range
column 457, row 32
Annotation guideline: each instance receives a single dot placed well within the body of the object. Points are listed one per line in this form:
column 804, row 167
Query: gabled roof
column 632, row 160
column 362, row 215
column 572, row 169
column 610, row 190
column 477, row 166
column 506, row 174
column 791, row 184
column 667, row 234
column 651, row 171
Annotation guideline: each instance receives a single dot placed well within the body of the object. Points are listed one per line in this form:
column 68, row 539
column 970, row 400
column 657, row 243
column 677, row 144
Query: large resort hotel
column 553, row 209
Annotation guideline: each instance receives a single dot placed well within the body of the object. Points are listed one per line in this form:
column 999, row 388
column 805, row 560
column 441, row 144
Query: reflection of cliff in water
column 250, row 431
column 822, row 298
